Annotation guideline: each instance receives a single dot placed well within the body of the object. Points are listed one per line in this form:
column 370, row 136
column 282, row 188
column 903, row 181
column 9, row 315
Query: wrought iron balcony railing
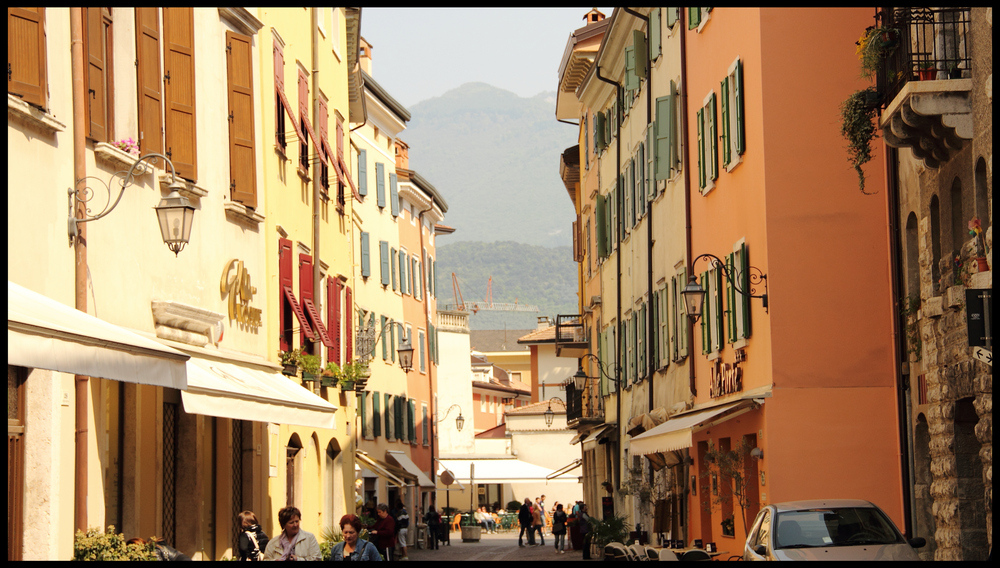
column 585, row 406
column 571, row 336
column 932, row 44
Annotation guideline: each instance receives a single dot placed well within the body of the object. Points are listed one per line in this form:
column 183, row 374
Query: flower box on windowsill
column 118, row 159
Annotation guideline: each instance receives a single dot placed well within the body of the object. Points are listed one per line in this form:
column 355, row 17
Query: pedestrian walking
column 541, row 505
column 352, row 548
column 384, row 531
column 559, row 529
column 585, row 530
column 536, row 523
column 252, row 540
column 433, row 520
column 524, row 519
column 293, row 543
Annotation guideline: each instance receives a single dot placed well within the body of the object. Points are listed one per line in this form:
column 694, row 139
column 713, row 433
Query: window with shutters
column 363, row 172
column 415, row 278
column 376, row 414
column 739, row 310
column 383, row 252
column 392, row 263
column 665, row 139
column 679, row 335
column 698, row 17
column 733, row 135
column 393, row 195
column 423, row 353
column 425, row 424
column 242, row 154
column 303, row 90
column 713, row 313
column 98, row 82
column 27, row 75
column 708, row 148
column 366, row 269
column 323, row 123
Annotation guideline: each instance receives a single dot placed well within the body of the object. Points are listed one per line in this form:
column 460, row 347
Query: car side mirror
column 917, row 542
column 760, row 550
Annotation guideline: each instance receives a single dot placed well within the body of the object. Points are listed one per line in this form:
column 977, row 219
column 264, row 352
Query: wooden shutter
column 333, row 317
column 150, row 80
column 694, row 18
column 393, row 195
column 348, row 309
column 383, row 251
column 717, row 333
column 713, row 145
column 725, row 133
column 738, row 107
column 242, row 161
column 382, row 338
column 389, row 418
column 641, row 54
column 285, row 314
column 179, row 91
column 673, row 14
column 303, row 114
column 366, row 268
column 745, row 284
column 26, row 65
column 362, row 172
column 376, row 414
column 731, row 308
column 654, row 33
column 600, row 132
column 96, row 88
column 700, row 119
column 664, row 133
column 380, row 184
column 631, row 74
column 706, row 315
column 323, row 126
column 601, row 212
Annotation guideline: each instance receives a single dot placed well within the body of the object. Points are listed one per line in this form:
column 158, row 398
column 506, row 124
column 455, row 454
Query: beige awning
column 404, row 461
column 678, row 432
column 378, row 468
column 230, row 390
column 502, row 470
column 45, row 334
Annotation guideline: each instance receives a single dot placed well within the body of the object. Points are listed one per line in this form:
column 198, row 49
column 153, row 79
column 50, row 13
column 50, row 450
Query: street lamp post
column 694, row 294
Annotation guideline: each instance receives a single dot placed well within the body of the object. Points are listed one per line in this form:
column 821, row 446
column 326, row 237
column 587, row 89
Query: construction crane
column 488, row 305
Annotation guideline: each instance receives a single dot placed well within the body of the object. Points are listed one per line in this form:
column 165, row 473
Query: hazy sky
column 419, row 53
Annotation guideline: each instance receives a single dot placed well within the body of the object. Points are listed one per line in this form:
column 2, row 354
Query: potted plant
column 926, row 71
column 354, row 375
column 873, row 47
column 611, row 529
column 331, row 374
column 290, row 361
column 310, row 366
column 857, row 125
column 472, row 531
column 99, row 545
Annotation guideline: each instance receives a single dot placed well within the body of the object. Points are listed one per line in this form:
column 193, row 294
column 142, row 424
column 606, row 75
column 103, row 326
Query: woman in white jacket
column 293, row 543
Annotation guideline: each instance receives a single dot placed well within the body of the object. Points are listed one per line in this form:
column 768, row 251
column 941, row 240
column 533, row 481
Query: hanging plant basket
column 857, row 115
column 290, row 369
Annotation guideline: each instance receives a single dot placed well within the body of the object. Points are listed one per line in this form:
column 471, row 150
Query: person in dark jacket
column 252, row 540
column 559, row 528
column 433, row 520
column 524, row 519
column 384, row 531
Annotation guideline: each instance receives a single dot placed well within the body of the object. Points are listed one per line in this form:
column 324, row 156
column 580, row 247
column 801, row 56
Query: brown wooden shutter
column 303, row 115
column 179, row 91
column 333, row 317
column 26, row 75
column 242, row 163
column 147, row 40
column 95, row 48
column 348, row 312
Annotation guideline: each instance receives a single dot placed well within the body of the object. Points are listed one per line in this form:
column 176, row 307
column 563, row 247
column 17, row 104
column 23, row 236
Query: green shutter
column 366, row 268
column 392, row 263
column 654, row 34
column 363, row 414
column 700, row 119
column 362, row 172
column 383, row 340
column 740, row 135
column 713, row 144
column 681, row 315
column 673, row 14
column 694, row 18
column 402, row 272
column 719, row 331
column 412, row 421
column 641, row 54
column 706, row 314
column 376, row 414
column 673, row 148
column 725, row 134
column 600, row 142
column 393, row 195
column 631, row 75
column 731, row 314
column 380, row 184
column 745, row 284
column 383, row 251
column 664, row 130
column 600, row 206
column 643, row 342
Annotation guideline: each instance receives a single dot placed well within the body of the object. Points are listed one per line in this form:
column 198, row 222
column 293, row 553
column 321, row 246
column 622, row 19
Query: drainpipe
column 82, row 391
column 427, row 318
column 317, row 276
column 687, row 213
column 618, row 268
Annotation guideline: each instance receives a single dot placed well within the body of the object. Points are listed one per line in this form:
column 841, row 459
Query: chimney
column 402, row 155
column 593, row 16
column 544, row 322
column 365, row 55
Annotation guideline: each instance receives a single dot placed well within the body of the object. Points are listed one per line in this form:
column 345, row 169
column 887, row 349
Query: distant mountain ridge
column 494, row 156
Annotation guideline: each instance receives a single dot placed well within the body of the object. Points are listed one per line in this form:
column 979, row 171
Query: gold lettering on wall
column 236, row 284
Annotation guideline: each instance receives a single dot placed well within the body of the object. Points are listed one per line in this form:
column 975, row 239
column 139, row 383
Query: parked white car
column 837, row 529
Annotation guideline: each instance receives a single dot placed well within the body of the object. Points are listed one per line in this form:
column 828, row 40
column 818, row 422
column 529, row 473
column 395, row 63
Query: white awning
column 565, row 469
column 45, row 334
column 228, row 390
column 502, row 470
column 678, row 432
column 404, row 461
column 378, row 468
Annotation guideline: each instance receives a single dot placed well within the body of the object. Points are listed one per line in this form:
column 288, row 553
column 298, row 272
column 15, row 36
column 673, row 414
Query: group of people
column 531, row 518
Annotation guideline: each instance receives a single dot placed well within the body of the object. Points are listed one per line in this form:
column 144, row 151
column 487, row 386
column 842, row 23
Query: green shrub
column 99, row 545
column 612, row 529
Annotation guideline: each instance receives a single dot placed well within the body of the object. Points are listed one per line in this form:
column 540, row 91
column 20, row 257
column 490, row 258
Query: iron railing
column 933, row 43
column 570, row 329
column 585, row 405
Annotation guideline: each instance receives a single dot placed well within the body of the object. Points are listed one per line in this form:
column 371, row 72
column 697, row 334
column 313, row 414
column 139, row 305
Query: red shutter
column 96, row 77
column 242, row 165
column 147, row 39
column 333, row 317
column 340, row 140
column 26, row 75
column 179, row 91
column 303, row 118
column 348, row 325
column 285, row 313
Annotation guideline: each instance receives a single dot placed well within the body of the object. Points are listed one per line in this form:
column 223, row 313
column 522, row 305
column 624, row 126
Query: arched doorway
column 334, row 505
column 293, row 471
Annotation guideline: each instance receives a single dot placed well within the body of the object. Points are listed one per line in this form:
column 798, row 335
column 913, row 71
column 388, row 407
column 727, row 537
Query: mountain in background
column 494, row 156
column 526, row 274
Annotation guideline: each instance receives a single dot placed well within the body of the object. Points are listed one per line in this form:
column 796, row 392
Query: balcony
column 584, row 407
column 926, row 81
column 571, row 336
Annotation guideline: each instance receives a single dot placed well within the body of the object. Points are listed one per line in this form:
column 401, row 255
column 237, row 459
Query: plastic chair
column 616, row 551
column 695, row 555
column 667, row 554
column 456, row 522
column 637, row 551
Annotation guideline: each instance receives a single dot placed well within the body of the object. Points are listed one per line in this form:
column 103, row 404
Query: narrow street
column 501, row 546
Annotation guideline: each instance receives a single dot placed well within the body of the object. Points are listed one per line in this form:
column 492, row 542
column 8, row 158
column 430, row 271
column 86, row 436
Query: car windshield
column 844, row 526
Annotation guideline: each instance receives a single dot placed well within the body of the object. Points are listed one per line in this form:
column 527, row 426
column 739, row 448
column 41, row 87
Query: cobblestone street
column 502, row 546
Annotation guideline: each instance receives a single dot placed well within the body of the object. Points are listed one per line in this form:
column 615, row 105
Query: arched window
column 936, row 245
column 912, row 256
column 959, row 224
column 293, row 471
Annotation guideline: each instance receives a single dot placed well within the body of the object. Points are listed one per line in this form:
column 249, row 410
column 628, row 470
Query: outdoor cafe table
column 680, row 551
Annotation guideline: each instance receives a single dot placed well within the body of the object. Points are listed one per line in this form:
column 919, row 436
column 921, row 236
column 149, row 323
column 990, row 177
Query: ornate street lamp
column 694, row 295
column 175, row 214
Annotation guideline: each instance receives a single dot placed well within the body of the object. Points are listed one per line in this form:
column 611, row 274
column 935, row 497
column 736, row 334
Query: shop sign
column 727, row 378
column 236, row 284
column 978, row 315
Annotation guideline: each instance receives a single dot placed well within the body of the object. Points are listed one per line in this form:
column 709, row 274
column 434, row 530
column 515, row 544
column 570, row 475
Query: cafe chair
column 660, row 554
column 638, row 552
column 695, row 555
column 616, row 551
